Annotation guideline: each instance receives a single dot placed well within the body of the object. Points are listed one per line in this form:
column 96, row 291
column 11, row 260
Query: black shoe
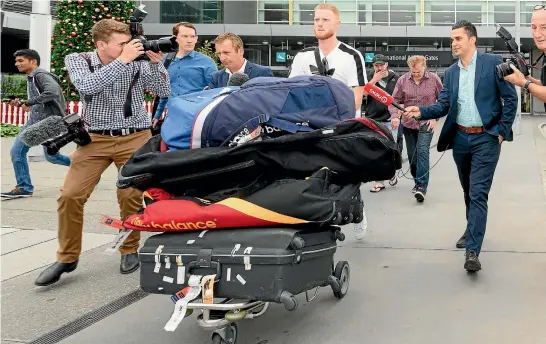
column 414, row 190
column 53, row 273
column 462, row 242
column 471, row 262
column 420, row 193
column 129, row 263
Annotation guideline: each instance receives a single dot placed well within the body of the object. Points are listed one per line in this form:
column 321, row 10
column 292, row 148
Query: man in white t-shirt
column 347, row 64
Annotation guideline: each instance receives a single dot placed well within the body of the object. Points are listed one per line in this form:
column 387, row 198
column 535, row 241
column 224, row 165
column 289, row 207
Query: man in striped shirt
column 417, row 87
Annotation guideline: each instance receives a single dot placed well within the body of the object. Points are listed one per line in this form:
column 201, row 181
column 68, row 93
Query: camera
column 75, row 132
column 164, row 44
column 517, row 59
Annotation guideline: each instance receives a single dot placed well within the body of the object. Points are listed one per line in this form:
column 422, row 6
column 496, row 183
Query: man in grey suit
column 229, row 48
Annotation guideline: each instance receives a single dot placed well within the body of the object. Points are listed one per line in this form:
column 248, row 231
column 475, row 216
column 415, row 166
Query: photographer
column 112, row 85
column 530, row 84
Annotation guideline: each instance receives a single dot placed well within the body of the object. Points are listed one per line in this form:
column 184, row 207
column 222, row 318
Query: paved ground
column 407, row 286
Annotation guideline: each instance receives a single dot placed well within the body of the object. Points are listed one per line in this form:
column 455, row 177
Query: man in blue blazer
column 480, row 110
column 229, row 48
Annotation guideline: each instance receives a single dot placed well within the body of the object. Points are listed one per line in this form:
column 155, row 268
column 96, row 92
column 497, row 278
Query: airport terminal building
column 275, row 30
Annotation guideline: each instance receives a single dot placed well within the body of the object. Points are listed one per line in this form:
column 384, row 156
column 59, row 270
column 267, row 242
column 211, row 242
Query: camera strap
column 170, row 57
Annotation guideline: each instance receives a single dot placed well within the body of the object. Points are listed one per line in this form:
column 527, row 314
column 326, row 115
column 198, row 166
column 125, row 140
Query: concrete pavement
column 407, row 286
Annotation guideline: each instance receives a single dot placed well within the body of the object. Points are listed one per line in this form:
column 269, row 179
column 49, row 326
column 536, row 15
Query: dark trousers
column 418, row 146
column 476, row 157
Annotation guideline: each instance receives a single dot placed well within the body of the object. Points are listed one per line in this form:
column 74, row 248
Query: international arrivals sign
column 400, row 58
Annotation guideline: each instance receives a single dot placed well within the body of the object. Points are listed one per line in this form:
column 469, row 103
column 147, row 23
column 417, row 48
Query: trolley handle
column 195, row 265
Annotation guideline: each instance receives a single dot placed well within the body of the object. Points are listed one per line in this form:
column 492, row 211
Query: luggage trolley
column 284, row 262
column 222, row 317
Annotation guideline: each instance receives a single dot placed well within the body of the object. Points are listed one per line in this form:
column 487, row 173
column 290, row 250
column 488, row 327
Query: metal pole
column 516, row 127
column 40, row 40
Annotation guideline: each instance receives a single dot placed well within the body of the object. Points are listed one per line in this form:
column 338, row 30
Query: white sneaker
column 361, row 228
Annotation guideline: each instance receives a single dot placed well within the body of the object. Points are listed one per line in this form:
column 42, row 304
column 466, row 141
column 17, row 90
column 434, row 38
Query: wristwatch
column 526, row 87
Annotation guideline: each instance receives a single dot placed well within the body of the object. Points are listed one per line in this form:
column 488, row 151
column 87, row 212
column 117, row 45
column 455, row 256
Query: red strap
column 163, row 146
column 367, row 122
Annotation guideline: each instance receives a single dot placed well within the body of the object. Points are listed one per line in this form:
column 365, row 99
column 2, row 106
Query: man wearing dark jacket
column 385, row 79
column 45, row 98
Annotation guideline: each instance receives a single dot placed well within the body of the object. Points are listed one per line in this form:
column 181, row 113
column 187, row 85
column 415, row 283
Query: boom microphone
column 237, row 79
column 42, row 131
column 381, row 96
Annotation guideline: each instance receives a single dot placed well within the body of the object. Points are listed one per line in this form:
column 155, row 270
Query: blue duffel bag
column 222, row 116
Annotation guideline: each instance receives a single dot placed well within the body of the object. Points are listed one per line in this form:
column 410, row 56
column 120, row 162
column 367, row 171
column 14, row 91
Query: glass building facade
column 358, row 12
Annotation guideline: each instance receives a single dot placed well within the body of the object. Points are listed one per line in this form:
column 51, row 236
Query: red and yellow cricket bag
column 320, row 198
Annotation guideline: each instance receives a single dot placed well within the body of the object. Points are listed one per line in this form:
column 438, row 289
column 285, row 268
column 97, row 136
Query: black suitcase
column 258, row 264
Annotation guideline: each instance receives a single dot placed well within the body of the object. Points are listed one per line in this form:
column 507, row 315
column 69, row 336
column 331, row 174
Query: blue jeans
column 476, row 157
column 20, row 164
column 418, row 146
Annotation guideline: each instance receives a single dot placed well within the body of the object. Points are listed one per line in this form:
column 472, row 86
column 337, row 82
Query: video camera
column 75, row 132
column 164, row 44
column 517, row 59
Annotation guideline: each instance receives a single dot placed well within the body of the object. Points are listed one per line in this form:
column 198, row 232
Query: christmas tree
column 72, row 32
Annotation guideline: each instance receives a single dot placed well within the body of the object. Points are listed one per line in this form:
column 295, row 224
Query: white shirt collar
column 241, row 70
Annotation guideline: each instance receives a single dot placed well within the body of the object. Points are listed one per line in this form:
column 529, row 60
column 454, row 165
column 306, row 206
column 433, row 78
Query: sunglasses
column 539, row 7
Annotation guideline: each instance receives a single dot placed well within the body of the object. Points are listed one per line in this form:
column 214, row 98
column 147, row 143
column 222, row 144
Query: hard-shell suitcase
column 258, row 264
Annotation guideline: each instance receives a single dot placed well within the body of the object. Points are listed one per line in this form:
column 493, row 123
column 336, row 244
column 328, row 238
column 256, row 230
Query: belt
column 118, row 132
column 471, row 130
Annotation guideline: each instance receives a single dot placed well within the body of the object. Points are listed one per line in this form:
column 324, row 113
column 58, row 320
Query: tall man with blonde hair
column 346, row 62
column 229, row 48
column 418, row 87
column 341, row 62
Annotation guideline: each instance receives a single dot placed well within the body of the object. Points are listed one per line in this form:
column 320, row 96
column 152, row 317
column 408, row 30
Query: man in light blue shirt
column 480, row 109
column 189, row 70
column 468, row 115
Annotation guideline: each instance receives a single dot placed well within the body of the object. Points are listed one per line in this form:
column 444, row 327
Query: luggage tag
column 118, row 241
column 181, row 306
column 207, row 285
column 112, row 222
column 180, row 271
column 158, row 258
column 180, row 294
column 246, row 259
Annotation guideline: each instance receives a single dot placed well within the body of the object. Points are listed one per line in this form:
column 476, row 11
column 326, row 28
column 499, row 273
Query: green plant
column 206, row 49
column 72, row 32
column 9, row 130
column 14, row 86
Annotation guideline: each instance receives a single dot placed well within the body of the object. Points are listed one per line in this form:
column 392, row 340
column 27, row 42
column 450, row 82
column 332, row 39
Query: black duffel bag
column 358, row 150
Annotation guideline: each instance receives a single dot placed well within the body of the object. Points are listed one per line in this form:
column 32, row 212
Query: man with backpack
column 384, row 78
column 45, row 98
column 337, row 60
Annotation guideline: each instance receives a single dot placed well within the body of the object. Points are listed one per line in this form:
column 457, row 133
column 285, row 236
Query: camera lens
column 503, row 70
column 164, row 44
column 53, row 145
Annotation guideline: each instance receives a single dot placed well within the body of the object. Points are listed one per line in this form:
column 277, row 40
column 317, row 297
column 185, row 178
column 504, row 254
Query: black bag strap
column 320, row 65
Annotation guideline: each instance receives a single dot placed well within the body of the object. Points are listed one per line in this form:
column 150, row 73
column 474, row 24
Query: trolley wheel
column 231, row 332
column 342, row 273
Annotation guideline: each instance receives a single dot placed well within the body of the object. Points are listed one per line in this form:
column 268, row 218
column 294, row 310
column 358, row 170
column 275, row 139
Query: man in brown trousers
column 112, row 85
